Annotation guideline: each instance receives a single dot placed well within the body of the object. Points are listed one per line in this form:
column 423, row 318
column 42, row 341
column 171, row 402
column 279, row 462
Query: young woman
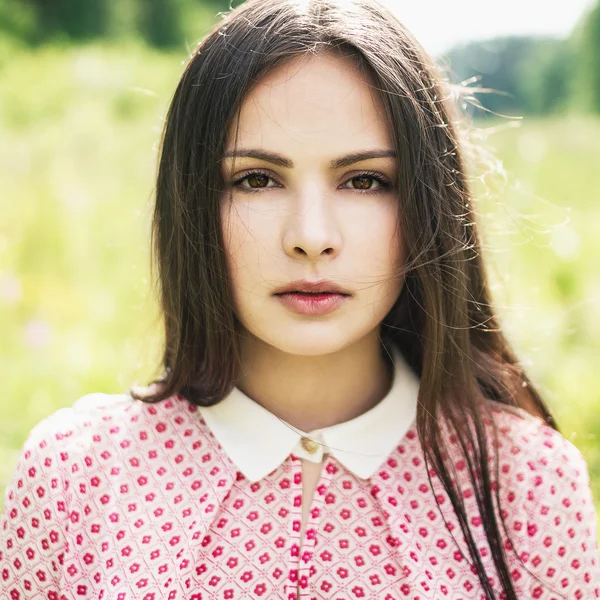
column 339, row 414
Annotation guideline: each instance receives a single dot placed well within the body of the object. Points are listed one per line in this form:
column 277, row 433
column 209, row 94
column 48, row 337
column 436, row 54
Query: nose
column 312, row 231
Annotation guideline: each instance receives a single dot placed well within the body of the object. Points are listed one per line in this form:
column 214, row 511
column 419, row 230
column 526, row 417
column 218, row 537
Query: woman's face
column 304, row 218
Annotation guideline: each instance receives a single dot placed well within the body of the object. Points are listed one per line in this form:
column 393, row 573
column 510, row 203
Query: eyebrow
column 336, row 163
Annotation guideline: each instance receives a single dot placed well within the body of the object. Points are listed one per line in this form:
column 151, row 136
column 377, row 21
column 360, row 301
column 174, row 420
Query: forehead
column 313, row 104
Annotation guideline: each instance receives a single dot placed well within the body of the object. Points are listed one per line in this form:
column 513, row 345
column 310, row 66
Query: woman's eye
column 365, row 182
column 256, row 180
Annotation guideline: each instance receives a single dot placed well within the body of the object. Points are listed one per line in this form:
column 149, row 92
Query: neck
column 313, row 392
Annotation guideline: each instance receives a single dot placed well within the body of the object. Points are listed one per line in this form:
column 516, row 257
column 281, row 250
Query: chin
column 311, row 339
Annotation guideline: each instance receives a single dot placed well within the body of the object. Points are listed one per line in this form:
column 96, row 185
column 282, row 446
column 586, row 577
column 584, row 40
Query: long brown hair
column 443, row 321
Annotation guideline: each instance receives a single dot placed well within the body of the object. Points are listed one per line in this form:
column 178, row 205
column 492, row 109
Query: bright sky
column 439, row 24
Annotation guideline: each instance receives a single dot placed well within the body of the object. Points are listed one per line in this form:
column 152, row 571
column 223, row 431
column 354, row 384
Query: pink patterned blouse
column 116, row 499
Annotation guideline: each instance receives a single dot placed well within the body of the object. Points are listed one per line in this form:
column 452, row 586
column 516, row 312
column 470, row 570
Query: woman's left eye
column 382, row 182
column 365, row 182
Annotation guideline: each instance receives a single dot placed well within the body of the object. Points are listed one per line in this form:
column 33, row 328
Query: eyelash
column 384, row 184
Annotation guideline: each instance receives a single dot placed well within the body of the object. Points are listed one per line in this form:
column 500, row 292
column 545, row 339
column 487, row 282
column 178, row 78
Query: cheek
column 375, row 239
column 234, row 240
column 246, row 239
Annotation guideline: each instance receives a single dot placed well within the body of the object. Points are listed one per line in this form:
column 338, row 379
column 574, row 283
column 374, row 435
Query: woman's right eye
column 257, row 180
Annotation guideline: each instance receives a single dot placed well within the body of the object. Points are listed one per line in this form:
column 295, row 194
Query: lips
column 310, row 293
column 312, row 303
column 308, row 287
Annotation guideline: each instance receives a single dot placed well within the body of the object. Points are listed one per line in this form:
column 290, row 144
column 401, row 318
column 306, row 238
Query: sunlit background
column 84, row 87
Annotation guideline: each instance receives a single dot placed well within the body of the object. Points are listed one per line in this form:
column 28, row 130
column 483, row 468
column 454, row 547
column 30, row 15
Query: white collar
column 257, row 441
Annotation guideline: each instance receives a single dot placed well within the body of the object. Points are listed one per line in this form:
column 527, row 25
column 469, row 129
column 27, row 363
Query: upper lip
column 304, row 285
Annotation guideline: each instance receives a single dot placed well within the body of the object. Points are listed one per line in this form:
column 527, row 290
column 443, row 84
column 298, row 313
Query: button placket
column 294, row 526
column 305, row 582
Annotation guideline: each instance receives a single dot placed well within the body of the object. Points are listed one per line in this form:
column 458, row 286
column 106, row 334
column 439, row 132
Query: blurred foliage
column 160, row 23
column 80, row 128
column 534, row 75
column 588, row 71
column 524, row 75
column 501, row 64
column 75, row 19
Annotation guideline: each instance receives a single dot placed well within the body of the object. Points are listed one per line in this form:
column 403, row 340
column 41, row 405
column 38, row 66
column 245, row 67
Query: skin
column 312, row 221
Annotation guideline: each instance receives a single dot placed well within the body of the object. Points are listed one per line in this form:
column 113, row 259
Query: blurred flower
column 37, row 333
column 10, row 288
column 532, row 147
column 566, row 243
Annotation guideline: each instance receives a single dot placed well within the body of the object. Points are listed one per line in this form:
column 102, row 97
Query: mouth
column 311, row 288
column 312, row 297
column 311, row 293
column 312, row 303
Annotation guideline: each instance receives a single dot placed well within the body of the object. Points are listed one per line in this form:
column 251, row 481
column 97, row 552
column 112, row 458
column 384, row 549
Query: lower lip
column 312, row 304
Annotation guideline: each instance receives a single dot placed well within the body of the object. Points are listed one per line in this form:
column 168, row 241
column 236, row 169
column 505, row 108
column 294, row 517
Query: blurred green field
column 80, row 128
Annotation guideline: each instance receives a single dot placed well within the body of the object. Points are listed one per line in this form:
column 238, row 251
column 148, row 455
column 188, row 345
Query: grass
column 80, row 128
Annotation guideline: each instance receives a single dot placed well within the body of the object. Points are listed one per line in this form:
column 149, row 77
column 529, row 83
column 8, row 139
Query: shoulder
column 549, row 505
column 537, row 446
column 107, row 423
column 66, row 463
column 544, row 463
column 98, row 434
column 69, row 426
column 535, row 461
column 526, row 443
